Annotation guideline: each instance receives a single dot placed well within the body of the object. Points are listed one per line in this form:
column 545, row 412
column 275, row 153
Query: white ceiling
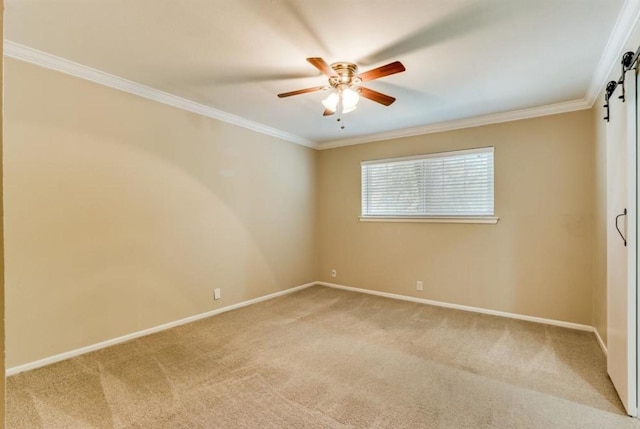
column 464, row 58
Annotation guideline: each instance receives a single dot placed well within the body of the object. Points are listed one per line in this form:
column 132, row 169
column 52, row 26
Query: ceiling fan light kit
column 344, row 99
column 344, row 81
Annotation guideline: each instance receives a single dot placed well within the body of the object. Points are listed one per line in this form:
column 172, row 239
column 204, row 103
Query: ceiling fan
column 345, row 82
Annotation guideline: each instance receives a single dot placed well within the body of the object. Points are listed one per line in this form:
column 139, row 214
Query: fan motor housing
column 347, row 74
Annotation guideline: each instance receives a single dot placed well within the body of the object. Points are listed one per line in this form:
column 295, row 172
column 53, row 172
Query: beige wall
column 600, row 231
column 124, row 214
column 535, row 261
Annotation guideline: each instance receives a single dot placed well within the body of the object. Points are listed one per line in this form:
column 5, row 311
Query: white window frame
column 487, row 219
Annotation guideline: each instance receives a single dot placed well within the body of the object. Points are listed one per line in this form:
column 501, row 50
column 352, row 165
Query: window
column 442, row 185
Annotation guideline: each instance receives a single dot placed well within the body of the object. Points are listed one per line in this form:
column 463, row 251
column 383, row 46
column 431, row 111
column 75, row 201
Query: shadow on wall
column 125, row 213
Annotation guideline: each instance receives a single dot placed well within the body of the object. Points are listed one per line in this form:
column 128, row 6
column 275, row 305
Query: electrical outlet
column 334, row 273
column 419, row 285
column 216, row 293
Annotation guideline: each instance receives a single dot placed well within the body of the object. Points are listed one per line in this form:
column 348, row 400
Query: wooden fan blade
column 322, row 65
column 327, row 112
column 376, row 96
column 301, row 91
column 386, row 70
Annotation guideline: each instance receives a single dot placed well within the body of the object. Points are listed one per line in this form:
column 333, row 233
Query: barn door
column 621, row 244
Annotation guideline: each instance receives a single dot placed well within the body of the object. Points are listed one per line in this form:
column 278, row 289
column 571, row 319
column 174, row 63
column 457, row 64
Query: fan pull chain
column 339, row 110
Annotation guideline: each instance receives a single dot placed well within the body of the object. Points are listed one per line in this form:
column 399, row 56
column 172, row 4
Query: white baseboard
column 560, row 323
column 600, row 342
column 77, row 352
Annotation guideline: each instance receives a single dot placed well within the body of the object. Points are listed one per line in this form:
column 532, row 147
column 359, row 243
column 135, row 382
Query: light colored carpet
column 325, row 358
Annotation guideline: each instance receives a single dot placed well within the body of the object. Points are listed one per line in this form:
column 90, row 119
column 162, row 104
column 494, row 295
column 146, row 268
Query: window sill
column 434, row 219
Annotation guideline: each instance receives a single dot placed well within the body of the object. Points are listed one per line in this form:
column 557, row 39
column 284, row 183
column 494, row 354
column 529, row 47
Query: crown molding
column 43, row 59
column 622, row 30
column 477, row 121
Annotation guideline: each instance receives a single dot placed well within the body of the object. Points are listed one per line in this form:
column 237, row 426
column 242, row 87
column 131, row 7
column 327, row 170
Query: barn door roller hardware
column 629, row 61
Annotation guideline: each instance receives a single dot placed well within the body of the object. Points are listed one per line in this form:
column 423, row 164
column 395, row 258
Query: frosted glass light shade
column 349, row 97
column 331, row 102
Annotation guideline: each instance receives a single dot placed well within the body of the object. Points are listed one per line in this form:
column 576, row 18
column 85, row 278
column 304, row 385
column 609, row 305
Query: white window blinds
column 443, row 184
